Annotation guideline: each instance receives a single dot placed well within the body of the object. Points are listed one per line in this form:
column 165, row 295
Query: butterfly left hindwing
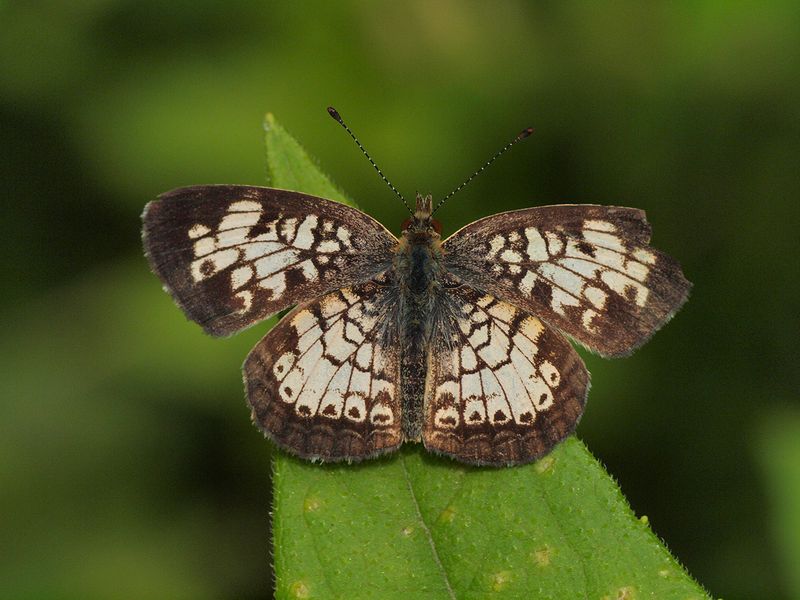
column 502, row 387
column 324, row 382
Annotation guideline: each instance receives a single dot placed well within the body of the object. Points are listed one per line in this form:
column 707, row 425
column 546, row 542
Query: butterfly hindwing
column 234, row 255
column 502, row 387
column 324, row 383
column 585, row 269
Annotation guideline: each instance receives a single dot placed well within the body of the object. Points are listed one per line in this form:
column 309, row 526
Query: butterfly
column 460, row 343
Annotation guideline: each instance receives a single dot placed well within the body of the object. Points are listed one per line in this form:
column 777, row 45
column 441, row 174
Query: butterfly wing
column 324, row 382
column 234, row 255
column 585, row 269
column 502, row 387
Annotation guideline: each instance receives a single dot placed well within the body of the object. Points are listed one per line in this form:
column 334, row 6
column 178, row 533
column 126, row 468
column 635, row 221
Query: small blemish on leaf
column 448, row 514
column 407, row 531
column 541, row 556
column 311, row 504
column 299, row 589
column 664, row 573
column 625, row 593
column 545, row 464
column 644, row 519
column 499, row 580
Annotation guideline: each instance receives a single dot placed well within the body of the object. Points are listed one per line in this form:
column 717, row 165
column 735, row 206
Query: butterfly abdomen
column 418, row 269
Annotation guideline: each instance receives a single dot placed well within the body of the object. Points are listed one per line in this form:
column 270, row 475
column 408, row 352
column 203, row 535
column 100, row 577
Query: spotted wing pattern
column 324, row 382
column 502, row 387
column 585, row 269
column 233, row 255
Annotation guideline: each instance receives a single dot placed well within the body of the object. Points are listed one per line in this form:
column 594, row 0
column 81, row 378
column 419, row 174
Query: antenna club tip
column 525, row 133
column 334, row 113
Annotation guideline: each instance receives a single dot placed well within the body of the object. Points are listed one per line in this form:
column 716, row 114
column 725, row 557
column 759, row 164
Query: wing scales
column 587, row 270
column 502, row 387
column 323, row 383
column 233, row 255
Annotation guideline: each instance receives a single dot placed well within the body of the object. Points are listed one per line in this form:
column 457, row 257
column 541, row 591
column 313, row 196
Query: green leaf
column 413, row 525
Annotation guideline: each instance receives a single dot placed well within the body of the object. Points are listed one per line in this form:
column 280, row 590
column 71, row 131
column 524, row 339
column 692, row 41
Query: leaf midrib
column 426, row 529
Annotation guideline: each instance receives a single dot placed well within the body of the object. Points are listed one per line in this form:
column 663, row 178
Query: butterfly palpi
column 459, row 343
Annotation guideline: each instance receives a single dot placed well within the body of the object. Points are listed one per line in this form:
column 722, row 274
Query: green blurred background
column 128, row 465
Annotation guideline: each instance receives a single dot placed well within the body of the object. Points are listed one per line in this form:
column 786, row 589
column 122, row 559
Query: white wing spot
column 381, row 415
column 210, row 265
column 554, row 243
column 527, row 282
column 275, row 262
column 247, row 300
column 344, row 236
column 364, row 356
column 551, row 375
column 305, row 233
column 275, row 284
column 599, row 225
column 240, row 276
column 511, row 256
column 354, row 408
column 310, row 272
column 537, row 251
column 198, row 230
column 303, row 321
column 606, row 240
column 494, row 246
column 468, row 359
column 588, row 317
column 596, row 296
column 236, row 220
column 245, row 206
column 447, row 417
column 331, row 305
column 283, row 365
column 644, row 256
column 329, row 246
column 288, row 229
column 205, row 245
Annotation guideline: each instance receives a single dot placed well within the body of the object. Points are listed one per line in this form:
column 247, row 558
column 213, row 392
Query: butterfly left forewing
column 324, row 382
column 502, row 387
column 233, row 255
column 587, row 270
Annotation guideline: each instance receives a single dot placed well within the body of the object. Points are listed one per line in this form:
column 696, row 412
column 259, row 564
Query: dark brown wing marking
column 502, row 387
column 587, row 270
column 323, row 384
column 234, row 255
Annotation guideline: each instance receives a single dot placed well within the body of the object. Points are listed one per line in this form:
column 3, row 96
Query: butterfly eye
column 437, row 227
column 406, row 224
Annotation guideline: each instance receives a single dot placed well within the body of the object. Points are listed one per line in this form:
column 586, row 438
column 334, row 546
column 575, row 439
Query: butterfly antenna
column 521, row 136
column 337, row 117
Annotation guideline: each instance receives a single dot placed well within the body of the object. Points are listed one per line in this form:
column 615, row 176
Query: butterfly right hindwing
column 502, row 387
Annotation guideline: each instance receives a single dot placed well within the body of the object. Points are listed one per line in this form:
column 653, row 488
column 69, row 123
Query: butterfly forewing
column 585, row 269
column 324, row 382
column 233, row 255
column 502, row 387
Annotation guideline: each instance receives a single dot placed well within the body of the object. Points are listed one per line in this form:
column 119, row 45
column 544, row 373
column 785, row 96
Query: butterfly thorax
column 419, row 276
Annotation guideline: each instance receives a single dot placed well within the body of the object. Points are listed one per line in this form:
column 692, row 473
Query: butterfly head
column 422, row 221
